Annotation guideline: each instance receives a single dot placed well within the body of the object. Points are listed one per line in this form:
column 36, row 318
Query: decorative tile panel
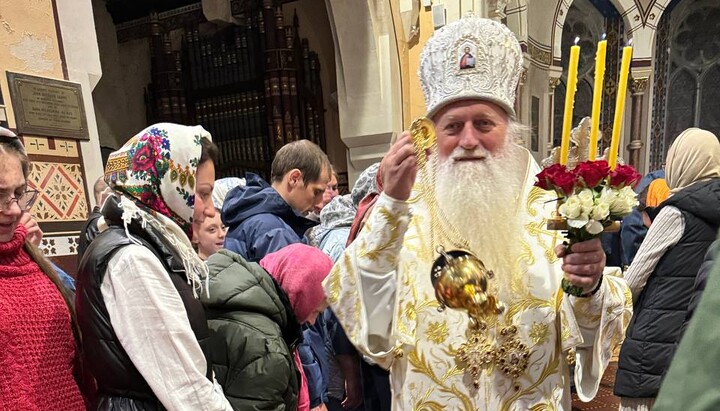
column 62, row 193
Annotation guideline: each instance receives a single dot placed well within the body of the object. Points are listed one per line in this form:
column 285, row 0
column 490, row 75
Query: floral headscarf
column 155, row 173
column 365, row 184
column 157, row 167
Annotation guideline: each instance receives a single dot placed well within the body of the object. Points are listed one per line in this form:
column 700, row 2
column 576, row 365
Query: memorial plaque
column 48, row 107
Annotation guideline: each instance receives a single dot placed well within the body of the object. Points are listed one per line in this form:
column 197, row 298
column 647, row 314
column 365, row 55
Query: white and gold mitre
column 471, row 58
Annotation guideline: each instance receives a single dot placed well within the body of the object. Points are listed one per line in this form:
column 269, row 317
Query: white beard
column 480, row 200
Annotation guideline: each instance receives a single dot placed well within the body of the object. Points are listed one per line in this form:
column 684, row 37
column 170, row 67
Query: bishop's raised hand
column 399, row 168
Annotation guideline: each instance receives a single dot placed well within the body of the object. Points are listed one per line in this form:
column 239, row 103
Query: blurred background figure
column 90, row 229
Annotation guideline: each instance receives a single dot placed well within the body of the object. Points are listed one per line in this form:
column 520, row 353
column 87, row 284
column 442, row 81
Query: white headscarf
column 694, row 156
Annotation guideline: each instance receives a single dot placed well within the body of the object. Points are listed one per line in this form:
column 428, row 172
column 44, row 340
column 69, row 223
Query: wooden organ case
column 254, row 86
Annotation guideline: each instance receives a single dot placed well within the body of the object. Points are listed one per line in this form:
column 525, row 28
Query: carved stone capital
column 523, row 76
column 554, row 82
column 639, row 85
column 496, row 9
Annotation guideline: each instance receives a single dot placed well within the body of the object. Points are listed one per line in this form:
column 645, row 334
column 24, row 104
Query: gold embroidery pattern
column 393, row 222
column 539, row 333
column 437, row 332
column 550, row 369
column 420, row 365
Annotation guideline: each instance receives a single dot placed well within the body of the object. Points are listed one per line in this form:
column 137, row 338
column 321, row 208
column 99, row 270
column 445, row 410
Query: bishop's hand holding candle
column 594, row 195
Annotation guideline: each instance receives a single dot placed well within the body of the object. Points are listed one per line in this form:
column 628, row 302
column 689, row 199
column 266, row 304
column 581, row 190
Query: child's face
column 210, row 238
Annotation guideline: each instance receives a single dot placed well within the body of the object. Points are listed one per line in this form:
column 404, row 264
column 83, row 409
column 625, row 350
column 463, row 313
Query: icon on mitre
column 467, row 56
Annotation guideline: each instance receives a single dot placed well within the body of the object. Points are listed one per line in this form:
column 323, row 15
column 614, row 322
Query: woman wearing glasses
column 37, row 327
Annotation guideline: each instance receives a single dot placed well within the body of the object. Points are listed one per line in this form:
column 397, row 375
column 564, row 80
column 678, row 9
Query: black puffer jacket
column 120, row 385
column 711, row 256
column 661, row 309
column 253, row 335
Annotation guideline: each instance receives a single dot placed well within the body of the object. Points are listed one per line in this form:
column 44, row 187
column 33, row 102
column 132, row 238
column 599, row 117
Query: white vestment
column 381, row 292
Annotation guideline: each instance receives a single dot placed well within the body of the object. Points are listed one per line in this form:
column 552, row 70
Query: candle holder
column 591, row 198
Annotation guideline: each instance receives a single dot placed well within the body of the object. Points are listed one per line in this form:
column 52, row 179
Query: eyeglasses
column 25, row 200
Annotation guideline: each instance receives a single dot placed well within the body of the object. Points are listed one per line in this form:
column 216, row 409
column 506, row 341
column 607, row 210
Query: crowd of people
column 246, row 294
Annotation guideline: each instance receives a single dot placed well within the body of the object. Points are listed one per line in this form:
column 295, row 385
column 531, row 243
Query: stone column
column 552, row 84
column 519, row 94
column 638, row 88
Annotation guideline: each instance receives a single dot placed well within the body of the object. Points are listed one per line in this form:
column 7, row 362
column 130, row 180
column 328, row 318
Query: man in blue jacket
column 263, row 218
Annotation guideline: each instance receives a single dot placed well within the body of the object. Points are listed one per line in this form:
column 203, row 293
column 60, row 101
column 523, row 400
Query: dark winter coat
column 254, row 333
column 260, row 221
column 120, row 385
column 661, row 308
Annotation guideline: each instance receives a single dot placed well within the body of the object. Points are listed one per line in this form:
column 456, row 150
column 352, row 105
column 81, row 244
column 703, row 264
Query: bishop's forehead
column 471, row 58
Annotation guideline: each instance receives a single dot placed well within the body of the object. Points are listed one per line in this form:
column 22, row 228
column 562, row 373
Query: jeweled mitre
column 471, row 58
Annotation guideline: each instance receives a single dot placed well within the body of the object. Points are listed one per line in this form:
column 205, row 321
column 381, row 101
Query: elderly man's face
column 478, row 127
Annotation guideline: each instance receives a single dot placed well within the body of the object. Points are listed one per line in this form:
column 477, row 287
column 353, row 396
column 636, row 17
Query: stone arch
column 369, row 78
column 516, row 12
column 561, row 8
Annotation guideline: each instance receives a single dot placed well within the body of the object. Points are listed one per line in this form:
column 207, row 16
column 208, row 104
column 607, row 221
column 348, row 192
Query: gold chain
column 424, row 139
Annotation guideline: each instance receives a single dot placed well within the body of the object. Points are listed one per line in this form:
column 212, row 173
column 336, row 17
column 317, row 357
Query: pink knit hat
column 300, row 270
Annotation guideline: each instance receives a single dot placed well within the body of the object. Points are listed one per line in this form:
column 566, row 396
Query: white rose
column 594, row 227
column 600, row 211
column 624, row 203
column 608, row 196
column 587, row 200
column 571, row 208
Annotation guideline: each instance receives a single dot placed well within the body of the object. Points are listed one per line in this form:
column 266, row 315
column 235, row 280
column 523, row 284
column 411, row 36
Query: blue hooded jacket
column 260, row 221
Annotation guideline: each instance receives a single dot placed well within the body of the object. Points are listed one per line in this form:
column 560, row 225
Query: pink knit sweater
column 37, row 348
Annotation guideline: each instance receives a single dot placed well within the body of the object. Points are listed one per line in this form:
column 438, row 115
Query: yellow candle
column 620, row 106
column 569, row 102
column 597, row 96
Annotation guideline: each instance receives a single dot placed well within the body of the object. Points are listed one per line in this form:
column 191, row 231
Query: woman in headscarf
column 662, row 276
column 145, row 332
column 256, row 312
column 38, row 334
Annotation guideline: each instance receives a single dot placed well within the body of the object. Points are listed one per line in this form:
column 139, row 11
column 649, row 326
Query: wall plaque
column 48, row 107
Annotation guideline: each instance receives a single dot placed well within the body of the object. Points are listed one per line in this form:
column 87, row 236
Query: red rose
column 624, row 176
column 547, row 176
column 565, row 182
column 592, row 172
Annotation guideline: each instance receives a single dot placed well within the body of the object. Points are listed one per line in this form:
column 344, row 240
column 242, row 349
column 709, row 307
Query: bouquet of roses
column 590, row 197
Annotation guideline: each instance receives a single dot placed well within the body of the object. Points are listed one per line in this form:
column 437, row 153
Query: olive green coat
column 250, row 320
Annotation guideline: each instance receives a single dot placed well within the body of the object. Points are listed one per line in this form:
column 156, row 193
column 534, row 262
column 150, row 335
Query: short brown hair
column 209, row 151
column 304, row 155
